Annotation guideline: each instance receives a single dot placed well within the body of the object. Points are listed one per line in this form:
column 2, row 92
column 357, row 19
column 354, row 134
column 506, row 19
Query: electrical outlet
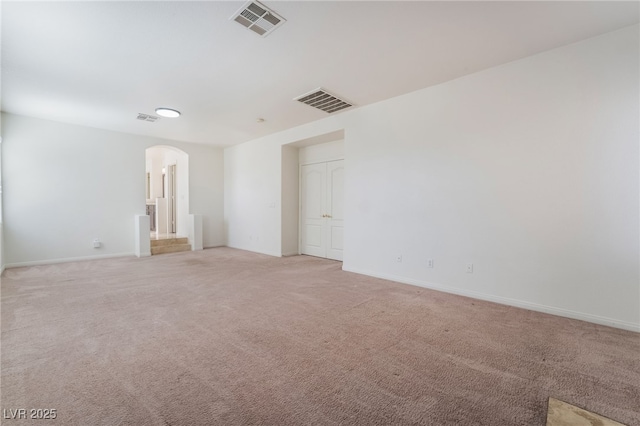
column 429, row 263
column 469, row 268
column 97, row 243
column 399, row 258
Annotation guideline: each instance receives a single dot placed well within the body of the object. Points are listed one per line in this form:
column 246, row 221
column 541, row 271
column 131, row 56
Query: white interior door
column 335, row 217
column 321, row 210
column 312, row 211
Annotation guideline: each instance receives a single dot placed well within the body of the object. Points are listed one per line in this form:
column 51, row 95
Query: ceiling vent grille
column 258, row 18
column 323, row 100
column 147, row 117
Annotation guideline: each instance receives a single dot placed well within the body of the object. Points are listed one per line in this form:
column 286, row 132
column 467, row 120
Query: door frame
column 172, row 224
column 163, row 156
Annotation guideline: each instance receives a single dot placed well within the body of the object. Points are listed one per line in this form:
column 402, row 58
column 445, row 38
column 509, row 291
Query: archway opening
column 167, row 191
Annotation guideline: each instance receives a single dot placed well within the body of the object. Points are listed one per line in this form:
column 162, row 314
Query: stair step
column 174, row 248
column 169, row 241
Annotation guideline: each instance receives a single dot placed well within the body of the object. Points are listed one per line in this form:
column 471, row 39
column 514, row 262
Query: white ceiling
column 99, row 64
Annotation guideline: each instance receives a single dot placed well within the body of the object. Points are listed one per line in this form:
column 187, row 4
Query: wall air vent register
column 258, row 18
column 147, row 117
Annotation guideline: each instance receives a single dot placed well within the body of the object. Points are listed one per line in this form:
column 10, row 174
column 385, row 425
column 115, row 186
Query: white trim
column 322, row 161
column 268, row 253
column 195, row 232
column 290, row 253
column 300, row 204
column 505, row 301
column 142, row 238
column 67, row 260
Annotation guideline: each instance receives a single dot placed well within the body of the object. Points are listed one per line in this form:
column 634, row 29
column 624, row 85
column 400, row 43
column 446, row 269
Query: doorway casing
column 322, row 148
column 169, row 193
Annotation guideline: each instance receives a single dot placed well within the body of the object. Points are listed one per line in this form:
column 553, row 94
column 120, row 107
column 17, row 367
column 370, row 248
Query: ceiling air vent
column 323, row 100
column 258, row 18
column 147, row 117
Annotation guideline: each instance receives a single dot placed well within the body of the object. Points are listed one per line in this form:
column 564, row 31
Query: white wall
column 155, row 158
column 1, row 249
column 2, row 262
column 252, row 182
column 527, row 170
column 65, row 185
column 1, row 209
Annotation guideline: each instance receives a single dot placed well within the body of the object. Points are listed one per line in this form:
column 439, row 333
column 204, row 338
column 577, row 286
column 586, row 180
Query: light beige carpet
column 227, row 337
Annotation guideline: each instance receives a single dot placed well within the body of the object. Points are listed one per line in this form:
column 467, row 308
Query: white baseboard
column 611, row 322
column 268, row 253
column 66, row 260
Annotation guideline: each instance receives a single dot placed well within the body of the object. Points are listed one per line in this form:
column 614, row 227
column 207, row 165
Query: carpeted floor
column 228, row 337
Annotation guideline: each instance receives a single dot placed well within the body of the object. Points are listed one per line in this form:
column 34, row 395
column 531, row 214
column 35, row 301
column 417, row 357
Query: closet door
column 334, row 225
column 313, row 186
column 321, row 210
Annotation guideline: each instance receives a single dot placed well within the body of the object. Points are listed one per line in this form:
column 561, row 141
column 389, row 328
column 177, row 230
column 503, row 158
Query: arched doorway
column 167, row 191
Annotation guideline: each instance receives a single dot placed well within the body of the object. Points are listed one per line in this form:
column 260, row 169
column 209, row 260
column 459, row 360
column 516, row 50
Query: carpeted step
column 169, row 241
column 173, row 248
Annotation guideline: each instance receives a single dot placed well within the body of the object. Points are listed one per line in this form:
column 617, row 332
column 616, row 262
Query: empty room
column 320, row 213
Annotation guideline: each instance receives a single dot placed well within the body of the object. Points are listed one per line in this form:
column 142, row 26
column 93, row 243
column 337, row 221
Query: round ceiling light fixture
column 167, row 112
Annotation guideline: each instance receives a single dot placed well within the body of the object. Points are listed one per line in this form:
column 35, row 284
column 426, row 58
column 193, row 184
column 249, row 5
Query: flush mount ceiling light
column 167, row 112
